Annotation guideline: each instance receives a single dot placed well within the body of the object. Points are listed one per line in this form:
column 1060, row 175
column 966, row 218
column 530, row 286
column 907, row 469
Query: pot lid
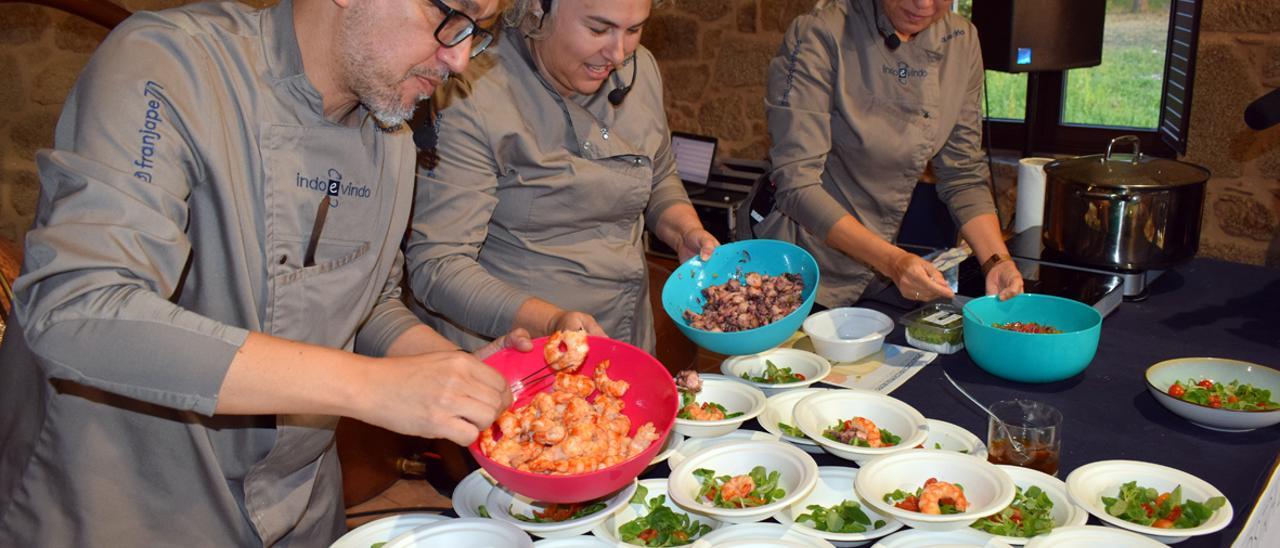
column 1134, row 170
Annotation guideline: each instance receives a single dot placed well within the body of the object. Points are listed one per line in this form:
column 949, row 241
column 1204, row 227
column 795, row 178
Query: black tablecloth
column 1203, row 308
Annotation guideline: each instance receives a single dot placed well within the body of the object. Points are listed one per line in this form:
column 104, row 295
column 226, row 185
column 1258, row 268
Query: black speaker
column 1035, row 35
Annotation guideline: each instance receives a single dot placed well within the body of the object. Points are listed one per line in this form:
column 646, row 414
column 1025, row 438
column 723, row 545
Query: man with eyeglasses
column 213, row 277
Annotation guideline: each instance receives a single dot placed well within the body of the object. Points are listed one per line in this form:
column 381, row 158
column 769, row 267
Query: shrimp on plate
column 937, row 493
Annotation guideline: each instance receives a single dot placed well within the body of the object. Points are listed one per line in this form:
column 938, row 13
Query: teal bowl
column 1031, row 357
column 683, row 291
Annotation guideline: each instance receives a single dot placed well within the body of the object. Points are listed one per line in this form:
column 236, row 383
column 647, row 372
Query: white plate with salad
column 950, row 437
column 693, row 446
column 774, row 371
column 743, row 481
column 470, row 494
column 918, row 538
column 1163, row 503
column 380, row 532
column 778, row 418
column 651, row 519
column 771, row 535
column 1092, row 536
column 1040, row 505
column 832, row 511
column 551, row 520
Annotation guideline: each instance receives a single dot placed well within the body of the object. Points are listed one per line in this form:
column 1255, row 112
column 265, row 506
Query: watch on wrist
column 993, row 260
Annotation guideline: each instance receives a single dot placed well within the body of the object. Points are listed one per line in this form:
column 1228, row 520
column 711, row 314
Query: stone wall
column 714, row 55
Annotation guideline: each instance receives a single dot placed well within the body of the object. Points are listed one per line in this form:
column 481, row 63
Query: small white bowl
column 847, row 334
column 503, row 505
column 835, row 485
column 470, row 494
column 987, row 488
column 734, row 396
column 584, row 541
column 608, row 529
column 950, row 437
column 693, row 446
column 798, row 475
column 1092, row 536
column 781, row 408
column 816, row 412
column 812, row 366
column 1089, row 483
column 916, row 538
column 762, row 534
column 463, row 532
column 1163, row 374
column 1065, row 513
column 385, row 529
column 674, row 441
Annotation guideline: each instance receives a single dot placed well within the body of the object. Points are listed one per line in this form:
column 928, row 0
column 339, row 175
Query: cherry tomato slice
column 1177, row 390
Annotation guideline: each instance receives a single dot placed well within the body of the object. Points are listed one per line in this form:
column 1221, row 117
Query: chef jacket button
column 926, row 114
column 586, row 144
column 604, row 132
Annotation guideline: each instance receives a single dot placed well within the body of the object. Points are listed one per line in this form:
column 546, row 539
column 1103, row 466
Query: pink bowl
column 651, row 398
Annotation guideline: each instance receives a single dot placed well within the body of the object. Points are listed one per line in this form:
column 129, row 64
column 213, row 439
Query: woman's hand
column 517, row 339
column 1004, row 280
column 571, row 320
column 697, row 241
column 918, row 280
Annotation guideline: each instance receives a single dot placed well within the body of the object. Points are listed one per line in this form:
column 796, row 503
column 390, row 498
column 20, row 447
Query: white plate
column 502, row 504
column 797, row 476
column 1089, row 483
column 953, row 438
column 835, row 485
column 385, row 529
column 781, row 408
column 812, row 366
column 1065, row 513
column 693, row 446
column 915, row 538
column 761, row 534
column 584, row 541
column 469, row 532
column 734, row 396
column 987, row 488
column 1092, row 536
column 674, row 441
column 470, row 494
column 608, row 529
column 816, row 412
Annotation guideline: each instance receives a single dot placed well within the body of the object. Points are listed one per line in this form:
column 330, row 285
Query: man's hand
column 572, row 320
column 918, row 280
column 697, row 242
column 450, row 395
column 1004, row 280
column 517, row 339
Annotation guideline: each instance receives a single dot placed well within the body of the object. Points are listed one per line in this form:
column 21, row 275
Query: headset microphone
column 618, row 94
column 892, row 41
column 890, row 34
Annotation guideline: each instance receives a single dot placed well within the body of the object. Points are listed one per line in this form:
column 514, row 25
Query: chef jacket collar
column 929, row 39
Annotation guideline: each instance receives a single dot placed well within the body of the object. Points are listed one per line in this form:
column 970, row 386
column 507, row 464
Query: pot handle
column 1106, row 195
column 1131, row 139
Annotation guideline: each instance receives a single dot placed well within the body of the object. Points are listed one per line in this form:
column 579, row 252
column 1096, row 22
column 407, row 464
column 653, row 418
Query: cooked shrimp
column 936, row 493
column 703, row 412
column 577, row 411
column 609, row 386
column 738, row 487
column 578, row 385
column 645, row 436
column 619, row 425
column 566, row 350
column 867, row 431
column 547, row 431
column 508, row 423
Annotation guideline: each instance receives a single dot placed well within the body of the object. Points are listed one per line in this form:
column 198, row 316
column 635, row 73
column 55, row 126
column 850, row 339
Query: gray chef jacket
column 539, row 195
column 854, row 123
column 188, row 165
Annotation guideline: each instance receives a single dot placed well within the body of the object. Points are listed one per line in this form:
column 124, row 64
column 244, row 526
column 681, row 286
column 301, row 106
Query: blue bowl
column 683, row 291
column 1031, row 357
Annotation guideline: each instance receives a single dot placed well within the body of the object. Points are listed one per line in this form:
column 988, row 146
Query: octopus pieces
column 739, row 306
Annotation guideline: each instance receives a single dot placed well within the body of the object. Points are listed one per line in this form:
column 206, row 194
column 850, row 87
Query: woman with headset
column 531, row 215
column 862, row 95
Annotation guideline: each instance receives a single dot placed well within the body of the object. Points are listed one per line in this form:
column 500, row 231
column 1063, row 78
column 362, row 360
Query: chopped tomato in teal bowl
column 1031, row 338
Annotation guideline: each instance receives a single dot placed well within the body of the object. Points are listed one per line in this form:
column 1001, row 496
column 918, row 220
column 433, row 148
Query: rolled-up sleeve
column 453, row 206
column 961, row 165
column 108, row 249
column 799, row 107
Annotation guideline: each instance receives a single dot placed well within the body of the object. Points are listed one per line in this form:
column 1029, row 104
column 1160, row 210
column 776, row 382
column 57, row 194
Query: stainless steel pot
column 1124, row 212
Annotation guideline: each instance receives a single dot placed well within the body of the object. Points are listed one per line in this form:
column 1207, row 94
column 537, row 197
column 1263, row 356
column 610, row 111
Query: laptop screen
column 694, row 156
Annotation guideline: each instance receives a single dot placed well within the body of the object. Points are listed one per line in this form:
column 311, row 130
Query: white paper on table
column 1265, row 520
column 882, row 372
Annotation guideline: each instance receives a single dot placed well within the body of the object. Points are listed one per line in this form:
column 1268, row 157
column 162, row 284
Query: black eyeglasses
column 457, row 27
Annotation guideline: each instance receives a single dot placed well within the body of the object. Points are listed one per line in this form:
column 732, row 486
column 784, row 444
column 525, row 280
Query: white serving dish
column 781, row 407
column 761, row 534
column 917, row 538
column 988, row 489
column 835, row 485
column 608, row 529
column 798, row 475
column 584, row 541
column 469, row 532
column 470, row 494
column 693, row 446
column 385, row 529
column 816, row 412
column 812, row 366
column 951, row 437
column 1163, row 374
column 1089, row 483
column 1092, row 536
column 734, row 396
column 1065, row 513
column 674, row 441
column 847, row 334
column 502, row 504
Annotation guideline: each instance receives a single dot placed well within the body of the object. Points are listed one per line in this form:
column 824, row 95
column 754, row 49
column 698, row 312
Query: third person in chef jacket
column 862, row 95
column 551, row 158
